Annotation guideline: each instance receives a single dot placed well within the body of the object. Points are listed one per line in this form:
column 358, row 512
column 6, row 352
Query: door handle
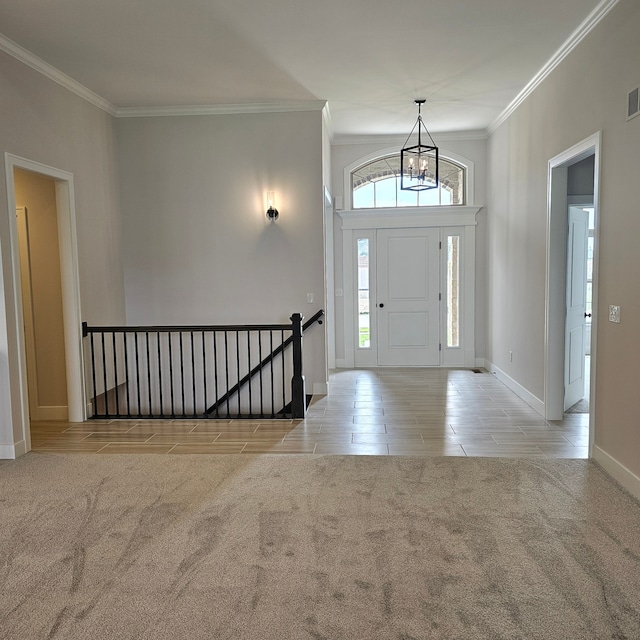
column 381, row 305
column 587, row 315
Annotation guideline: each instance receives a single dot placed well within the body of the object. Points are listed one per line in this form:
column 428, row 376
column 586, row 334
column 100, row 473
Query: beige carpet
column 321, row 548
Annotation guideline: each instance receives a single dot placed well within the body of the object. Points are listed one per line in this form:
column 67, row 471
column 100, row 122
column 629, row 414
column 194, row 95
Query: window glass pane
column 452, row 181
column 445, row 196
column 386, row 192
column 407, row 198
column 453, row 299
column 364, row 323
column 429, row 197
column 377, row 184
column 363, row 197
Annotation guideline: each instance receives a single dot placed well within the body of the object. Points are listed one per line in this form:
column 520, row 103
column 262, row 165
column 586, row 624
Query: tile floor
column 424, row 412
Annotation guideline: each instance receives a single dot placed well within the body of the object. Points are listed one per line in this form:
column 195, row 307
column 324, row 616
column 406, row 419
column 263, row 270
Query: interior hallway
column 384, row 411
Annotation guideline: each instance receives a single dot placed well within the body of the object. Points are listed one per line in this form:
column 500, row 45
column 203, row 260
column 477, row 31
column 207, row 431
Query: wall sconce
column 272, row 212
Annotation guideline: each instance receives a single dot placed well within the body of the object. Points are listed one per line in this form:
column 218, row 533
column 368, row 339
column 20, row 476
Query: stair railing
column 211, row 371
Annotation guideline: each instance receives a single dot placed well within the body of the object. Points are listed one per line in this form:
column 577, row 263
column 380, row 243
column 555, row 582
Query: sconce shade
column 419, row 162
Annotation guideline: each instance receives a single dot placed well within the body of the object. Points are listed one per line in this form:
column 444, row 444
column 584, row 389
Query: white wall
column 473, row 148
column 585, row 94
column 45, row 123
column 198, row 245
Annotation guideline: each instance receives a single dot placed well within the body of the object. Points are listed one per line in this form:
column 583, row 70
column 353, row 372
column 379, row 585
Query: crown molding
column 400, row 139
column 26, row 57
column 221, row 109
column 585, row 28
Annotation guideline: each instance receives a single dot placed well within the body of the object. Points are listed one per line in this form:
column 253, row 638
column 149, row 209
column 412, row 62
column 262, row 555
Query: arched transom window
column 376, row 185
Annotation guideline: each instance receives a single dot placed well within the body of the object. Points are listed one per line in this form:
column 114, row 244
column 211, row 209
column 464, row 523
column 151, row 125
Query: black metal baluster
column 226, row 368
column 170, row 341
column 204, row 370
column 104, row 374
column 215, row 372
column 138, row 374
column 193, row 374
column 115, row 372
column 273, row 387
column 149, row 373
column 160, row 375
column 238, row 369
column 248, row 370
column 126, row 373
column 261, row 385
column 93, row 375
column 184, row 408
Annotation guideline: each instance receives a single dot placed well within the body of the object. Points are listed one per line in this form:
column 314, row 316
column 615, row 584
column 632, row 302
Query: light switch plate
column 614, row 313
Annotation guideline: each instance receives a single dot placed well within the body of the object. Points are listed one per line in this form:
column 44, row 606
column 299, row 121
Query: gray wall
column 43, row 122
column 580, row 177
column 585, row 94
column 198, row 247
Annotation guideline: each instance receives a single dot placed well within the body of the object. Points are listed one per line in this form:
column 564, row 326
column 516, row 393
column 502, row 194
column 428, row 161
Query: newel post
column 298, row 392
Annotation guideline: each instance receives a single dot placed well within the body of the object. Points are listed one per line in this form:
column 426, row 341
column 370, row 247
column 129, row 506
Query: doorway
column 41, row 288
column 70, row 344
column 572, row 239
column 441, row 274
column 579, row 291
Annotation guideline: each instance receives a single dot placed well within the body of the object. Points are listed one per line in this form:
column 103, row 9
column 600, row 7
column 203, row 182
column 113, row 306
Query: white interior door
column 408, row 297
column 576, row 291
column 22, row 221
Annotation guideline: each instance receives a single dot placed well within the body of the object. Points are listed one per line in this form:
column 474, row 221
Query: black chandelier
column 419, row 162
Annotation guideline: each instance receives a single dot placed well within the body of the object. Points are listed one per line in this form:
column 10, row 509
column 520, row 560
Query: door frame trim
column 70, row 280
column 409, row 217
column 557, row 203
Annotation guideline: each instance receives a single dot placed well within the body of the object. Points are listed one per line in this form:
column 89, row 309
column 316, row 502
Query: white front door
column 408, row 297
column 576, row 290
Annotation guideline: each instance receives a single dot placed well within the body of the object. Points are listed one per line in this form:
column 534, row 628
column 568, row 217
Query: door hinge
column 440, row 296
column 440, row 347
column 440, row 243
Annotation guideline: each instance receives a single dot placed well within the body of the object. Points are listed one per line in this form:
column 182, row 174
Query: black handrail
column 267, row 360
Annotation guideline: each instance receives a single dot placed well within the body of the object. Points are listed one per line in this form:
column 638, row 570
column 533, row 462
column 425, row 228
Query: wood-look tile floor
column 418, row 412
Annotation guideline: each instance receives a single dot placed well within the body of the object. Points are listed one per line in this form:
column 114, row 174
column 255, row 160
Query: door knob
column 381, row 305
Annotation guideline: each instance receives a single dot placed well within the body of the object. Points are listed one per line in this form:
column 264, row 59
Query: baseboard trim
column 629, row 480
column 13, row 451
column 55, row 414
column 516, row 387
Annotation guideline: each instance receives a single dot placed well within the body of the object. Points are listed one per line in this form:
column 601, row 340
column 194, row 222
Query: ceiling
column 468, row 58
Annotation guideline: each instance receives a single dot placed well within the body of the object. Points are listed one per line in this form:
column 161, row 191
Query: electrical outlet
column 614, row 313
column 310, row 298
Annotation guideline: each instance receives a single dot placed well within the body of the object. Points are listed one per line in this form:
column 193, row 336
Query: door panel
column 574, row 375
column 408, row 262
